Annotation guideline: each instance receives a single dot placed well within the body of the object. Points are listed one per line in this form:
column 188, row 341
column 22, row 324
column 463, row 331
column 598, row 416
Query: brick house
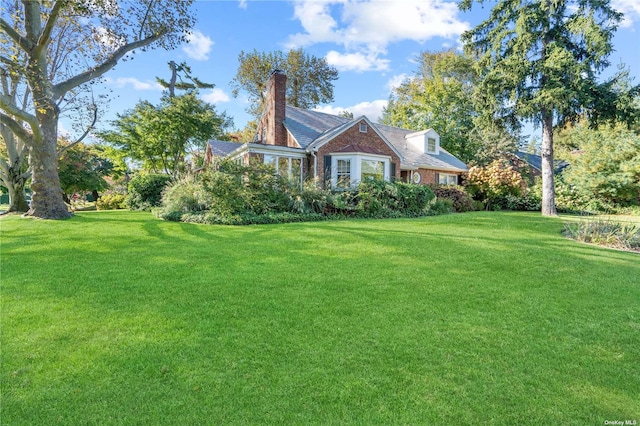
column 339, row 151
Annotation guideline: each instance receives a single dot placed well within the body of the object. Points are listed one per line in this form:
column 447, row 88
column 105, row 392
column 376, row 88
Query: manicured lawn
column 482, row 318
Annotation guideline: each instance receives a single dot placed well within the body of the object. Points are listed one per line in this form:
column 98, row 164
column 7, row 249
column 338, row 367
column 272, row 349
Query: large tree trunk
column 46, row 200
column 548, row 186
column 17, row 199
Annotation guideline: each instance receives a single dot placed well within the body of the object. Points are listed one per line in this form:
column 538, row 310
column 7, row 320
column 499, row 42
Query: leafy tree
column 111, row 30
column 540, row 60
column 607, row 166
column 439, row 96
column 82, row 169
column 78, row 105
column 161, row 136
column 309, row 78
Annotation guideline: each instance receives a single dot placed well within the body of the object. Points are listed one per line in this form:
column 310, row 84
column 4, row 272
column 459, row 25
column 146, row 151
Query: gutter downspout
column 315, row 168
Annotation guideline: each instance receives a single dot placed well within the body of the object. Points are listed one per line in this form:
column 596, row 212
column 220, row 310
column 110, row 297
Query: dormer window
column 432, row 145
column 363, row 127
column 425, row 142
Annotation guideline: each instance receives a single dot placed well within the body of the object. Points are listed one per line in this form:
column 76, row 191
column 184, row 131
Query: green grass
column 116, row 318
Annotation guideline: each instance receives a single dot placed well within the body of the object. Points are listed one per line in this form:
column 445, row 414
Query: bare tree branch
column 13, row 64
column 45, row 36
column 21, row 41
column 16, row 128
column 86, row 132
column 61, row 88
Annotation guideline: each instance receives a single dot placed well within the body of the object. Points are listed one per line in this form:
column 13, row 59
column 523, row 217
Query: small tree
column 607, row 165
column 161, row 136
column 82, row 169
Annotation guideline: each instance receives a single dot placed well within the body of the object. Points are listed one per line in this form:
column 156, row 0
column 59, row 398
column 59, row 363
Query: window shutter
column 327, row 172
column 393, row 172
column 437, row 182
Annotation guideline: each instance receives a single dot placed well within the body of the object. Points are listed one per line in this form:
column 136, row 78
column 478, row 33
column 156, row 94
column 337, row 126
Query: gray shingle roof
column 306, row 125
column 414, row 158
column 312, row 127
column 535, row 161
column 223, row 148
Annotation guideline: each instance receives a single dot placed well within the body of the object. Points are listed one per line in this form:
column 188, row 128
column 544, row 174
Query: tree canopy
column 110, row 30
column 161, row 136
column 82, row 168
column 540, row 60
column 309, row 78
column 438, row 96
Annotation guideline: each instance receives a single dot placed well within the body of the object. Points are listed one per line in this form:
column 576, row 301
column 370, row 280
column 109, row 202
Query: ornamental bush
column 498, row 179
column 235, row 194
column 111, row 201
column 185, row 196
column 461, row 200
column 145, row 190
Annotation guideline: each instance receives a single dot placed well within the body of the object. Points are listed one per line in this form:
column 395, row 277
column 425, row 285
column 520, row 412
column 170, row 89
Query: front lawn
column 117, row 317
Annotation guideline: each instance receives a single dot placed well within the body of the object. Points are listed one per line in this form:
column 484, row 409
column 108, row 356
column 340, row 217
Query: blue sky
column 372, row 43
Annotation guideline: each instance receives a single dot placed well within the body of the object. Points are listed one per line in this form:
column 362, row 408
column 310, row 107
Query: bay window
column 348, row 171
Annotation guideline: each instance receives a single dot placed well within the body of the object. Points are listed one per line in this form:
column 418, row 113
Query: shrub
column 441, row 207
column 186, row 195
column 314, row 199
column 237, row 194
column 461, row 200
column 414, row 199
column 527, row 202
column 605, row 232
column 495, row 181
column 111, row 201
column 145, row 190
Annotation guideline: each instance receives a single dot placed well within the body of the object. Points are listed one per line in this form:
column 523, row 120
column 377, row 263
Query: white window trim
column 356, row 167
column 426, row 145
column 289, row 163
column 447, row 176
column 363, row 128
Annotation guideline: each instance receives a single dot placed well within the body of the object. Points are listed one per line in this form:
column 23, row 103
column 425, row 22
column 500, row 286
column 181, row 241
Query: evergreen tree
column 540, row 59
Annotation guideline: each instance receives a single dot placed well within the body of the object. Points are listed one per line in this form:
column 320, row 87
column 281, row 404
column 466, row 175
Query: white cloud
column 242, row 4
column 107, row 38
column 395, row 81
column 137, row 84
column 215, row 95
column 63, row 131
column 358, row 62
column 198, row 47
column 631, row 10
column 373, row 110
column 367, row 27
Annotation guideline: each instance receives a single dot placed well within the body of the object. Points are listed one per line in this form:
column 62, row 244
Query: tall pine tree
column 541, row 59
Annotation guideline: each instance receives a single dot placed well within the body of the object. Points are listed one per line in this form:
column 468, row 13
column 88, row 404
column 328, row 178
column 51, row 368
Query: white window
column 270, row 160
column 288, row 167
column 347, row 171
column 432, row 145
column 363, row 127
column 343, row 174
column 447, row 179
column 372, row 169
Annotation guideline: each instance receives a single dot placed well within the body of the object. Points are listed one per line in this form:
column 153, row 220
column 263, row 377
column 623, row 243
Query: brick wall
column 271, row 130
column 353, row 136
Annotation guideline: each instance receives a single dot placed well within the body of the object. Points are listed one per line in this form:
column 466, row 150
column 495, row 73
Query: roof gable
column 312, row 128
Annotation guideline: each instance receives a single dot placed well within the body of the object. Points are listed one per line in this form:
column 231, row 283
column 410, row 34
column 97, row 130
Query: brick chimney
column 275, row 106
